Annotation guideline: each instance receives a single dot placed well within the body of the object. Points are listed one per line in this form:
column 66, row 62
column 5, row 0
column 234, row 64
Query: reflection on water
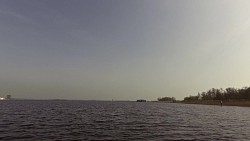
column 90, row 120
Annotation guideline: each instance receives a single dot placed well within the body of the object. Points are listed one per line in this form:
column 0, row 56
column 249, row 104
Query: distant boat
column 141, row 100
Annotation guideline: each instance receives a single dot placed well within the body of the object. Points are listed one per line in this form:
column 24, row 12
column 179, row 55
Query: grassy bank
column 243, row 103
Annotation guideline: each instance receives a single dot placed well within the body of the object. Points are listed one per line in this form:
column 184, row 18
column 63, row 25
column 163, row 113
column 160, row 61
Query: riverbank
column 242, row 103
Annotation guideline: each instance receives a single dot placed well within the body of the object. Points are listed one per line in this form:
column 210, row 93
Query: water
column 90, row 120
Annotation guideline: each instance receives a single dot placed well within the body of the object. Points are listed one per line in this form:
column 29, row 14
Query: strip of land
column 242, row 103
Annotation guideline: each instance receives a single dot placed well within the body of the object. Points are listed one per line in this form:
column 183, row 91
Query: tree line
column 170, row 99
column 221, row 94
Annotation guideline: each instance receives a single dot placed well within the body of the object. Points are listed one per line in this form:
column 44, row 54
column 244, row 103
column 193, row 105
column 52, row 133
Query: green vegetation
column 167, row 99
column 220, row 94
column 229, row 96
column 191, row 98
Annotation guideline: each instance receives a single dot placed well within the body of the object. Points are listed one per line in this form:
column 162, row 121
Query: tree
column 170, row 99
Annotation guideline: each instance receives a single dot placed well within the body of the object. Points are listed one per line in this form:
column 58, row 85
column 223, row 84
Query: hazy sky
column 122, row 49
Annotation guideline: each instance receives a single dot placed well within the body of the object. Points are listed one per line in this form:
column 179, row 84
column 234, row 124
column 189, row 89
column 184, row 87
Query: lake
column 99, row 120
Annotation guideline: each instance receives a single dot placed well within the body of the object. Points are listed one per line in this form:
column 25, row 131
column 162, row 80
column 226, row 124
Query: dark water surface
column 90, row 120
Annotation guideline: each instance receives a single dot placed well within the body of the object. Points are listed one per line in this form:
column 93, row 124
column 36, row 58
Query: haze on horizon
column 122, row 50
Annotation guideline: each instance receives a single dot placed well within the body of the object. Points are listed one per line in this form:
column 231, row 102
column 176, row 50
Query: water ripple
column 90, row 120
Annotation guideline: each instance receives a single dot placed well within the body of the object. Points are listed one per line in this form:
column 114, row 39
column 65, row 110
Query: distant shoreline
column 241, row 103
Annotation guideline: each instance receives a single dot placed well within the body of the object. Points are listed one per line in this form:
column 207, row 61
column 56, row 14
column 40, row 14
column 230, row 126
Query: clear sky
column 122, row 49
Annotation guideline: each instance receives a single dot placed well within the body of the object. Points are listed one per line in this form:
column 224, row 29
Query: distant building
column 8, row 97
